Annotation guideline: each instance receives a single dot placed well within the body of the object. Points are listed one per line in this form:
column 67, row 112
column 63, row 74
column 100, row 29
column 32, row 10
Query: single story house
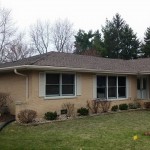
column 45, row 82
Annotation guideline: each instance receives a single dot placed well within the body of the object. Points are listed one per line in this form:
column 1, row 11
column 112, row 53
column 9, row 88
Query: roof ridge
column 42, row 57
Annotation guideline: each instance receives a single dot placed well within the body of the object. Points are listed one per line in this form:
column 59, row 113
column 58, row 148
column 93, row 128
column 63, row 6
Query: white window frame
column 61, row 96
column 117, row 98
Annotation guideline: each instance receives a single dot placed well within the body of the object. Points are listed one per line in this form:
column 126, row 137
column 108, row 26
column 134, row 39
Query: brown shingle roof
column 56, row 59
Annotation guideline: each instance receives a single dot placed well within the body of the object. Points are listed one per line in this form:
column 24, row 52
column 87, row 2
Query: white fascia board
column 36, row 67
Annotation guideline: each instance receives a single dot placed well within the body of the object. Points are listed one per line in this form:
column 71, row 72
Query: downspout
column 27, row 82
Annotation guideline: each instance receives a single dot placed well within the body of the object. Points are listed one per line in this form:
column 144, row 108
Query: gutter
column 27, row 82
column 46, row 68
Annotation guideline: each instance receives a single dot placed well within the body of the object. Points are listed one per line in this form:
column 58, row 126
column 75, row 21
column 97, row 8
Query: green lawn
column 104, row 132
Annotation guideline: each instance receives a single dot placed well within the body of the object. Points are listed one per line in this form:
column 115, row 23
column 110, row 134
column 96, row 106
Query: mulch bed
column 7, row 117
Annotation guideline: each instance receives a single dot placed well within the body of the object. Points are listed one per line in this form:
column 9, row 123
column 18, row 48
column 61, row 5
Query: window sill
column 119, row 99
column 59, row 97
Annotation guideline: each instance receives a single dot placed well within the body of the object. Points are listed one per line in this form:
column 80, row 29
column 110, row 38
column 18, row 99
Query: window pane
column 111, row 81
column 67, row 89
column 52, row 89
column 67, row 79
column 144, row 83
column 138, row 84
column 101, row 81
column 121, row 81
column 121, row 92
column 112, row 92
column 101, row 92
column 52, row 78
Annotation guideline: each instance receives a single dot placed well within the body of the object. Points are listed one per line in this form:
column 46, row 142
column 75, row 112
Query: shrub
column 27, row 116
column 4, row 100
column 105, row 105
column 134, row 105
column 123, row 107
column 114, row 108
column 70, row 109
column 94, row 106
column 83, row 111
column 147, row 105
column 51, row 115
column 4, row 110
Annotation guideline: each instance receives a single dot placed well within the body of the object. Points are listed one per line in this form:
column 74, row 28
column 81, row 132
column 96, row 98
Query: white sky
column 84, row 14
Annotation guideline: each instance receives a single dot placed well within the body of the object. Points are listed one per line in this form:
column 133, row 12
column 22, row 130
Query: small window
column 60, row 84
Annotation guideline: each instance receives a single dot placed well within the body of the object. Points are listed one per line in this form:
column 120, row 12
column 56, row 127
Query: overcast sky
column 84, row 14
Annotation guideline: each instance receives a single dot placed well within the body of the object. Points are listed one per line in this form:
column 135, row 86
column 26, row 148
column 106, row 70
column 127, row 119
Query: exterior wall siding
column 42, row 105
column 14, row 85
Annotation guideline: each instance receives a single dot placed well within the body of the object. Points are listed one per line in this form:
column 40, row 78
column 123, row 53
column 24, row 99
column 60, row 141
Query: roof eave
column 36, row 67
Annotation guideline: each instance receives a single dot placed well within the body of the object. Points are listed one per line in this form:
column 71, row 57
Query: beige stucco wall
column 15, row 86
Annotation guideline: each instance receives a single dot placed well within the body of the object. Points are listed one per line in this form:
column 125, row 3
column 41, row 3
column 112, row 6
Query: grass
column 104, row 132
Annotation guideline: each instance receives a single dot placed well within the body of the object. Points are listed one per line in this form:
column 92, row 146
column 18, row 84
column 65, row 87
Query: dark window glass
column 111, row 81
column 121, row 91
column 67, row 84
column 67, row 79
column 138, row 84
column 144, row 83
column 121, row 87
column 52, row 78
column 67, row 89
column 60, row 84
column 112, row 92
column 52, row 89
column 121, row 81
column 101, row 93
column 101, row 87
column 101, row 81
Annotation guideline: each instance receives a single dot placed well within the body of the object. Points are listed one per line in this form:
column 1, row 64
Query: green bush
column 51, row 115
column 134, row 105
column 114, row 108
column 123, row 107
column 83, row 111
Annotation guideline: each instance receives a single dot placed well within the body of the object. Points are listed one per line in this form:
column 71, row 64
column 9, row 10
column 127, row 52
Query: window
column 111, row 87
column 60, row 84
column 101, row 86
column 121, row 87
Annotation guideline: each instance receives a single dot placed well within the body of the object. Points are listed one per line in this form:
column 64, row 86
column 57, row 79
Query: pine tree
column 88, row 41
column 119, row 39
column 145, row 48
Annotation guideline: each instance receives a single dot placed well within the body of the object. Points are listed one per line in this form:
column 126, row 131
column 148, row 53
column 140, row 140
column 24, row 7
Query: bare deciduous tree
column 40, row 37
column 62, row 35
column 7, row 31
column 18, row 49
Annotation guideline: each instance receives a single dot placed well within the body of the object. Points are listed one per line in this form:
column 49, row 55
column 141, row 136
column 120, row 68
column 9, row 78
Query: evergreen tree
column 145, row 48
column 119, row 39
column 88, row 41
column 83, row 41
